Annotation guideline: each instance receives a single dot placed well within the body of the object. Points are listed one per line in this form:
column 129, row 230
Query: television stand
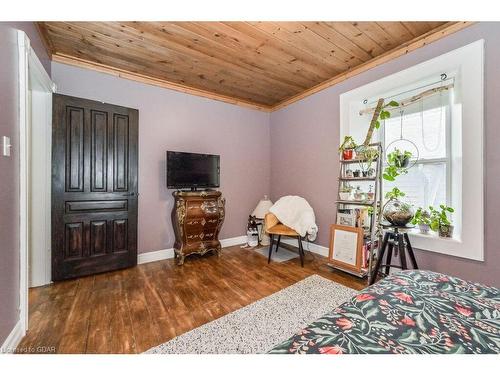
column 197, row 217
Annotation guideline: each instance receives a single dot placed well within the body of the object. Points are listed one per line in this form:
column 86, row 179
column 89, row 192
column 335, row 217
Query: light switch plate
column 6, row 146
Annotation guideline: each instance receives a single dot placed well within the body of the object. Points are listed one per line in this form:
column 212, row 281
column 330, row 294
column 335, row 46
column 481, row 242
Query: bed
column 407, row 312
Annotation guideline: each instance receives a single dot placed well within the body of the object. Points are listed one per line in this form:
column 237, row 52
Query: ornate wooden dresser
column 197, row 218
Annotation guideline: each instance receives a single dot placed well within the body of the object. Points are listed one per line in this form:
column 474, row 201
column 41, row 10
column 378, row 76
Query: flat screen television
column 186, row 170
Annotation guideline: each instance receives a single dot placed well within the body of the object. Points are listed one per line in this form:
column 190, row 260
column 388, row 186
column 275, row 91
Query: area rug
column 281, row 256
column 260, row 326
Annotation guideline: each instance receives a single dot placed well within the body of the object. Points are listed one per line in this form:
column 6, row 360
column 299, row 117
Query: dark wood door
column 94, row 187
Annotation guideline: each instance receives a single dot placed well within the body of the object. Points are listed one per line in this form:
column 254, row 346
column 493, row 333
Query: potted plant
column 399, row 158
column 397, row 162
column 356, row 173
column 395, row 211
column 366, row 155
column 440, row 221
column 345, row 193
column 347, row 147
column 422, row 218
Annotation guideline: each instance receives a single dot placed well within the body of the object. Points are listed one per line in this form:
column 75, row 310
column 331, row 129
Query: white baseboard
column 233, row 241
column 154, row 256
column 308, row 246
column 12, row 341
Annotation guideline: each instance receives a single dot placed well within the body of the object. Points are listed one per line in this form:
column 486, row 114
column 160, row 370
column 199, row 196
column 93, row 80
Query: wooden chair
column 274, row 228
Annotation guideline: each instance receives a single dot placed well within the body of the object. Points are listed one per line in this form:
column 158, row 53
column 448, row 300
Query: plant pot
column 345, row 196
column 403, row 162
column 356, row 173
column 365, row 173
column 347, row 154
column 446, row 231
column 424, row 228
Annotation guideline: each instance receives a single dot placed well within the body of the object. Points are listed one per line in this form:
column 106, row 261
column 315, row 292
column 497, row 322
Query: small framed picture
column 346, row 218
column 346, row 247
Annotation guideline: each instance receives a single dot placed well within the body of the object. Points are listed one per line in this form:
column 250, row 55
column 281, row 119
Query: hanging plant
column 397, row 164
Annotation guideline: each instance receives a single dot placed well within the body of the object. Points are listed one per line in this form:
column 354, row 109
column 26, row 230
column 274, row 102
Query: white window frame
column 467, row 139
column 446, row 159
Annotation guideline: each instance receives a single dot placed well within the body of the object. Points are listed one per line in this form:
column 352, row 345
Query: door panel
column 74, row 149
column 99, row 150
column 120, row 165
column 94, row 187
column 98, row 237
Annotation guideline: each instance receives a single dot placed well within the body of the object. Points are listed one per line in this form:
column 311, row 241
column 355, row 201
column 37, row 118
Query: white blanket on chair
column 296, row 213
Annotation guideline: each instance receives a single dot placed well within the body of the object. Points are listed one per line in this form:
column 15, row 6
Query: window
column 422, row 127
column 447, row 129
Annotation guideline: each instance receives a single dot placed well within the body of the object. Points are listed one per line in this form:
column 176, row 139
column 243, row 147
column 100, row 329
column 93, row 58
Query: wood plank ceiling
column 260, row 64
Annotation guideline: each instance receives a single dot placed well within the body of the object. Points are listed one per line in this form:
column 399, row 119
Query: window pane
column 424, row 185
column 427, row 130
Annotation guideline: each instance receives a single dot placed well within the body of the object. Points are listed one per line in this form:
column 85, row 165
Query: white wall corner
column 12, row 341
column 154, row 256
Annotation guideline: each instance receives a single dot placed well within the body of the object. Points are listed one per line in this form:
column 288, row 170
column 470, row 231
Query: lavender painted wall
column 170, row 120
column 305, row 136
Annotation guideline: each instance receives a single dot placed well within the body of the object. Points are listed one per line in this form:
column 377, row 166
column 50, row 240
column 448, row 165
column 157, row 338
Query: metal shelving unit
column 376, row 204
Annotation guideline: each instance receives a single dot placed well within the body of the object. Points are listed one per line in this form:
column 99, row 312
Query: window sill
column 432, row 242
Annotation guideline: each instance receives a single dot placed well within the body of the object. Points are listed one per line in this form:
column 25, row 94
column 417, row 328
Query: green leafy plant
column 397, row 161
column 399, row 158
column 384, row 113
column 381, row 113
column 368, row 156
column 422, row 217
column 440, row 217
column 347, row 144
column 395, row 193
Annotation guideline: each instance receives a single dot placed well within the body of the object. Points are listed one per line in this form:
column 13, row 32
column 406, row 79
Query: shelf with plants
column 355, row 203
column 358, row 179
column 358, row 161
column 368, row 157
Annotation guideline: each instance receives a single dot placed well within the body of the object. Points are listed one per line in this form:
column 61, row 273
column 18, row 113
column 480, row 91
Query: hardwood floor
column 131, row 310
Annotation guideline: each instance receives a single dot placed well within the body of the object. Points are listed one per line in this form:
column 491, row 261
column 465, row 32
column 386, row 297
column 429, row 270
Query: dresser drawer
column 204, row 208
column 205, row 235
column 201, row 223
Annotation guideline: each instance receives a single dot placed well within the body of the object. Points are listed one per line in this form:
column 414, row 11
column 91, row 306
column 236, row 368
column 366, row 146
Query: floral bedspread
column 408, row 312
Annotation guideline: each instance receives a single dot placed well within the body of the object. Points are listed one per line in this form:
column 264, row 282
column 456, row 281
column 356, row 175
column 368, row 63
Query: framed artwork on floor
column 346, row 246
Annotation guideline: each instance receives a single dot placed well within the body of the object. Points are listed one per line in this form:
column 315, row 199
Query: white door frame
column 31, row 75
